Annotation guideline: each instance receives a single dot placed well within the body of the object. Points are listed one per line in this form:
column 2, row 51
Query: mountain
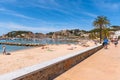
column 115, row 28
column 67, row 33
column 73, row 33
column 24, row 34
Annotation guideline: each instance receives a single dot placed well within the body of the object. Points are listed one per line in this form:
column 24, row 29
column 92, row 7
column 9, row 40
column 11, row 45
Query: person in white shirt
column 4, row 50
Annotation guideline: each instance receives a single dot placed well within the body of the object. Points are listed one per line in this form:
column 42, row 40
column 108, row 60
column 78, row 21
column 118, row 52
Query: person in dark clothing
column 116, row 42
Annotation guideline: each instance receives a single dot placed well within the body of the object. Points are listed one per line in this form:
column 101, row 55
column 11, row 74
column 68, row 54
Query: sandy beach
column 29, row 57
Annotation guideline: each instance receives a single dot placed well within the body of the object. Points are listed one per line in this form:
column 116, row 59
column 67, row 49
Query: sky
column 53, row 15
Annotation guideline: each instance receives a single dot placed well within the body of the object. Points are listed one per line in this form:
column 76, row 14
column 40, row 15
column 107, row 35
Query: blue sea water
column 10, row 48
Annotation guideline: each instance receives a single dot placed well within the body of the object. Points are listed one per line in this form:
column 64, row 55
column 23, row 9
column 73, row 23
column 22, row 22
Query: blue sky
column 54, row 15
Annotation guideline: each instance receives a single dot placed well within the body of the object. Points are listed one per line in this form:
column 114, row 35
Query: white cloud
column 13, row 26
column 90, row 14
column 10, row 26
column 111, row 6
column 13, row 13
column 50, row 5
column 107, row 5
column 46, row 4
column 10, row 12
column 114, row 6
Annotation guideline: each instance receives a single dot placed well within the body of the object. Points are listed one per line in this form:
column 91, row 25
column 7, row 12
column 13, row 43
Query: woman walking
column 115, row 42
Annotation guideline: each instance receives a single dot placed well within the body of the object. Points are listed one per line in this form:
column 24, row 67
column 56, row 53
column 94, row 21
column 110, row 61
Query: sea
column 10, row 48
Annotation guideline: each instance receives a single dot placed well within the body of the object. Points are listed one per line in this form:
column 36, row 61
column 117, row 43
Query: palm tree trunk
column 100, row 34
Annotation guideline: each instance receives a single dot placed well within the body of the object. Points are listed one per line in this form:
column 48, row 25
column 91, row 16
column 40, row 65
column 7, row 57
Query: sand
column 28, row 57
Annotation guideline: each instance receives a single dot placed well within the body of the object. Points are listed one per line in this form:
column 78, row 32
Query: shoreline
column 28, row 57
column 18, row 50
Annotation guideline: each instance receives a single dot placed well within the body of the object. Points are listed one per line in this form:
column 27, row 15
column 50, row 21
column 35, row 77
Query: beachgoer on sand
column 105, row 43
column 4, row 50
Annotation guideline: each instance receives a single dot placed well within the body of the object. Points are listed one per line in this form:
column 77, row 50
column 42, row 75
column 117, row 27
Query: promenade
column 103, row 65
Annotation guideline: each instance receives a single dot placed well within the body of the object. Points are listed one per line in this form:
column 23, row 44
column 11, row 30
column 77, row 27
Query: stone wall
column 51, row 69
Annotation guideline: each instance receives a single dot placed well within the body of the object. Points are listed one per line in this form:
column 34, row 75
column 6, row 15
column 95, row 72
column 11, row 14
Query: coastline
column 28, row 57
column 17, row 50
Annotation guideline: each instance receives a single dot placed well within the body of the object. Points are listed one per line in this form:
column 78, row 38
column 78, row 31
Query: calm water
column 13, row 48
column 40, row 41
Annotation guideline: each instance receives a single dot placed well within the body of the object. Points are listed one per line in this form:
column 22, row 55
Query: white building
column 117, row 34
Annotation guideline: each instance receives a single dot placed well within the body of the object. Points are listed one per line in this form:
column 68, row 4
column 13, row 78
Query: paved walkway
column 103, row 65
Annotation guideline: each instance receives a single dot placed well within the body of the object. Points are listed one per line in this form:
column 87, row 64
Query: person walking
column 105, row 43
column 4, row 50
column 115, row 42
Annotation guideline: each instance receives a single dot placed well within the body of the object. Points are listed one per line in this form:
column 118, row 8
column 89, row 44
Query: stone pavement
column 103, row 65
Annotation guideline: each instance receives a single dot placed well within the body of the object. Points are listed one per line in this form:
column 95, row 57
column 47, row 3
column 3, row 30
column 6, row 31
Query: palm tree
column 101, row 22
column 106, row 33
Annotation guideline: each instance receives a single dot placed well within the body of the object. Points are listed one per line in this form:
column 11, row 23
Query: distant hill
column 73, row 33
column 18, row 33
column 58, row 34
column 66, row 33
column 115, row 27
column 24, row 34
